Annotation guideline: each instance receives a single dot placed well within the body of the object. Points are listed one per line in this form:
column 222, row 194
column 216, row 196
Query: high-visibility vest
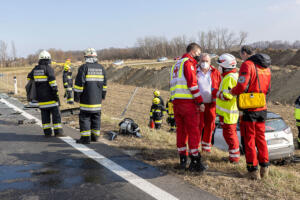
column 178, row 83
column 228, row 108
column 170, row 108
column 297, row 114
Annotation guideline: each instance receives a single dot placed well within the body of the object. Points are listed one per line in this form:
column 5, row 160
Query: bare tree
column 243, row 37
column 13, row 51
column 3, row 53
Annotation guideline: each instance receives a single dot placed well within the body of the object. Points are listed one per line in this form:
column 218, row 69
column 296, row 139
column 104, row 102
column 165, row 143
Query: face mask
column 204, row 65
column 197, row 58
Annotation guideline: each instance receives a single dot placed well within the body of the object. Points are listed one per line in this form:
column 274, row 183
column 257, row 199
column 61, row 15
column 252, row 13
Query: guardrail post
column 16, row 85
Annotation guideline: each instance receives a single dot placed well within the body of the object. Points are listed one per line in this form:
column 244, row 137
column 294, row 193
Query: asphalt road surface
column 33, row 167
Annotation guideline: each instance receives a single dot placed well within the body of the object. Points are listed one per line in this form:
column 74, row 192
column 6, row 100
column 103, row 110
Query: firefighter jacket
column 183, row 80
column 67, row 79
column 226, row 103
column 45, row 83
column 157, row 111
column 248, row 81
column 90, row 87
column 297, row 111
column 169, row 108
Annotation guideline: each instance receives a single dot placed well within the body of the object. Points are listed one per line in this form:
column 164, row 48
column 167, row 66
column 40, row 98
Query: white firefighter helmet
column 227, row 61
column 44, row 55
column 90, row 52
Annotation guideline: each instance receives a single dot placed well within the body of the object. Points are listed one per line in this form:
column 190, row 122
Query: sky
column 76, row 25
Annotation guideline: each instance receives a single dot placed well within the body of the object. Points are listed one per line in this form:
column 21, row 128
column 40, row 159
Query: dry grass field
column 158, row 148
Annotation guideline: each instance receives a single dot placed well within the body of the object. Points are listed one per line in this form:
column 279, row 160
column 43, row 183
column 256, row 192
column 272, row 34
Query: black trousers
column 90, row 123
column 56, row 120
column 69, row 95
column 172, row 121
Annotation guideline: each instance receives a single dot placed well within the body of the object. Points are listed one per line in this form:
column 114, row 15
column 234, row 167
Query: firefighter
column 90, row 89
column 157, row 112
column 188, row 103
column 47, row 95
column 297, row 117
column 208, row 78
column 156, row 93
column 254, row 119
column 227, row 105
column 171, row 118
column 68, row 82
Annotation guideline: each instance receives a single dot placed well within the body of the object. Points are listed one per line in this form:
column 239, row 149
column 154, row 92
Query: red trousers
column 255, row 138
column 187, row 118
column 231, row 138
column 207, row 125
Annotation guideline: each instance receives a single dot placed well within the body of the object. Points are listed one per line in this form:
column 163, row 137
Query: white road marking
column 132, row 178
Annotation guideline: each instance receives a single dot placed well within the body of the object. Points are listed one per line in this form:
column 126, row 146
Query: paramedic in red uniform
column 187, row 106
column 208, row 78
column 254, row 119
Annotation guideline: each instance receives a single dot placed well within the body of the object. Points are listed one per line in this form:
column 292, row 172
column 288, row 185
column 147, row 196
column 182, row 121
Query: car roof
column 271, row 115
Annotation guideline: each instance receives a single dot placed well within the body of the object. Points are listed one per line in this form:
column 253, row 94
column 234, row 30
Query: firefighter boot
column 84, row 140
column 59, row 133
column 196, row 164
column 94, row 138
column 253, row 175
column 264, row 172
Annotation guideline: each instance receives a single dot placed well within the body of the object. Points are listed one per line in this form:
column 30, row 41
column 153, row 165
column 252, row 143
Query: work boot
column 94, row 138
column 172, row 130
column 253, row 175
column 59, row 133
column 47, row 134
column 84, row 140
column 264, row 172
column 197, row 165
column 183, row 162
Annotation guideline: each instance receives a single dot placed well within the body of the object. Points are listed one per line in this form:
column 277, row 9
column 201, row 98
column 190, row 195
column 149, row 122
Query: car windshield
column 275, row 125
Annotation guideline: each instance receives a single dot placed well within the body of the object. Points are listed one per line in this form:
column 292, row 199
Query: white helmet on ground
column 90, row 52
column 227, row 61
column 44, row 55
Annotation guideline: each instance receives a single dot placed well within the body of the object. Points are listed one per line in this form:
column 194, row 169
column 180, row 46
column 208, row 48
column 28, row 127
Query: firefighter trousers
column 56, row 120
column 207, row 125
column 89, row 123
column 254, row 138
column 172, row 121
column 69, row 95
column 187, row 118
column 157, row 122
column 231, row 138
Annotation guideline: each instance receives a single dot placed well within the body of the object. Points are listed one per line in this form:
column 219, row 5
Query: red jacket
column 215, row 78
column 247, row 77
column 190, row 73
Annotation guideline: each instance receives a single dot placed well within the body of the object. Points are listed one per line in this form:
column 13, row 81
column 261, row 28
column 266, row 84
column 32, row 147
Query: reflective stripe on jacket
column 90, row 86
column 228, row 108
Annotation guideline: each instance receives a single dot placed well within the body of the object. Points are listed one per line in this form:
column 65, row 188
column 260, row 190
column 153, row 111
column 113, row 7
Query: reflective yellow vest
column 228, row 109
column 178, row 84
column 170, row 108
column 297, row 114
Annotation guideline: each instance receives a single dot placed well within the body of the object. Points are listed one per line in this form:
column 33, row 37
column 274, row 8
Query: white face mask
column 204, row 65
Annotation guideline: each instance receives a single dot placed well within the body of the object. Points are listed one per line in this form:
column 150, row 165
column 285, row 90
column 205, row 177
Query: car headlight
column 288, row 130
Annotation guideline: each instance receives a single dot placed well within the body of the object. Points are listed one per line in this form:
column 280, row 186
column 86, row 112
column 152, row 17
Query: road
column 34, row 167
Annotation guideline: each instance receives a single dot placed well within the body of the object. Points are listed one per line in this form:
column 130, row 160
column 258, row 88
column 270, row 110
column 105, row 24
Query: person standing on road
column 47, row 94
column 208, row 78
column 227, row 105
column 187, row 103
column 254, row 76
column 297, row 117
column 90, row 89
column 68, row 81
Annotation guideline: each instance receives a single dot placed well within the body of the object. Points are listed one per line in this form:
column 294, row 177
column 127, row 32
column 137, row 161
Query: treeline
column 212, row 41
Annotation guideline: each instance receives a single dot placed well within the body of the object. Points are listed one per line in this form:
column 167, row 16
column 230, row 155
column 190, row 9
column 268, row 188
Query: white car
column 162, row 59
column 278, row 135
column 118, row 62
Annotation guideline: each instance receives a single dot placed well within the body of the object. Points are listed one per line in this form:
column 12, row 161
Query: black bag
column 128, row 126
